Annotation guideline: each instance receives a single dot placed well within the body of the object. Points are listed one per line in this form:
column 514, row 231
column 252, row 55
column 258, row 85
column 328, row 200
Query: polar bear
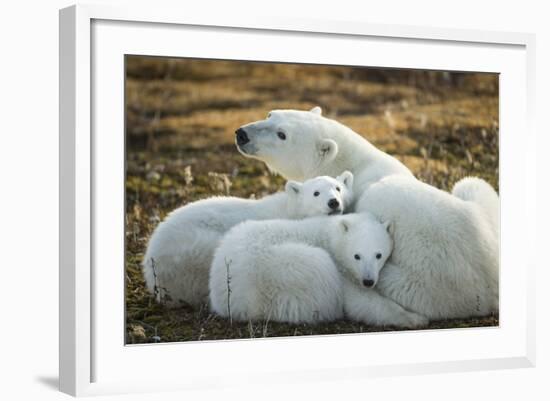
column 445, row 262
column 446, row 243
column 479, row 192
column 303, row 144
column 307, row 271
column 179, row 253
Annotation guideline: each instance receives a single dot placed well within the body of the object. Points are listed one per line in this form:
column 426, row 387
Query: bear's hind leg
column 300, row 284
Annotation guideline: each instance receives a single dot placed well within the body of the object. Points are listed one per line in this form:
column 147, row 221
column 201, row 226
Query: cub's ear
column 316, row 110
column 389, row 226
column 344, row 225
column 293, row 187
column 346, row 178
column 327, row 149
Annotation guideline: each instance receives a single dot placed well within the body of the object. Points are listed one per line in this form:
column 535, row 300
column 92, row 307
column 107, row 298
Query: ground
column 180, row 121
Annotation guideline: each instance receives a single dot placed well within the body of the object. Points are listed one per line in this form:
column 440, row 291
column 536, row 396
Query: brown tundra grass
column 180, row 120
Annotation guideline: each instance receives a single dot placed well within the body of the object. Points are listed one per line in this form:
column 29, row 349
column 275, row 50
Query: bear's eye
column 316, row 193
column 356, row 256
column 378, row 255
column 268, row 114
column 338, row 189
column 281, row 135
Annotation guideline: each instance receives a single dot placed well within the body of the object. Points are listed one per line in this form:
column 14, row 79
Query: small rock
column 137, row 331
column 153, row 176
column 220, row 182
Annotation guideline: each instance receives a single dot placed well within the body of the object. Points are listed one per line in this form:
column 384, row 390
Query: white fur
column 315, row 145
column 446, row 254
column 288, row 271
column 446, row 257
column 481, row 194
column 178, row 257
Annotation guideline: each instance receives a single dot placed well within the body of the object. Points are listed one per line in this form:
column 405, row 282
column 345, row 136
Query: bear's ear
column 293, row 187
column 344, row 225
column 346, row 178
column 389, row 226
column 316, row 110
column 327, row 149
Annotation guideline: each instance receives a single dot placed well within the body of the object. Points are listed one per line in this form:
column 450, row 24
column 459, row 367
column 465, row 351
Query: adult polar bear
column 445, row 257
column 302, row 144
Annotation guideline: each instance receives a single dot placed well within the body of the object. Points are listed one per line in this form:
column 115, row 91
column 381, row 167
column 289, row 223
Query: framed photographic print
column 345, row 187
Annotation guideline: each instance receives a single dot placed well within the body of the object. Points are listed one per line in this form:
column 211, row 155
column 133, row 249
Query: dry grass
column 181, row 118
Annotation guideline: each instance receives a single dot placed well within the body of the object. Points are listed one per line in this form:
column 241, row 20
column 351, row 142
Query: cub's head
column 362, row 246
column 292, row 143
column 320, row 195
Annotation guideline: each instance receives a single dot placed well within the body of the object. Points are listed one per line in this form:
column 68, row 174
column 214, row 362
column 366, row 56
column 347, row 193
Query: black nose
column 333, row 203
column 242, row 138
column 368, row 283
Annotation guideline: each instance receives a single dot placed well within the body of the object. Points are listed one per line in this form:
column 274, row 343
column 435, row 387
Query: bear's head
column 320, row 195
column 292, row 143
column 361, row 246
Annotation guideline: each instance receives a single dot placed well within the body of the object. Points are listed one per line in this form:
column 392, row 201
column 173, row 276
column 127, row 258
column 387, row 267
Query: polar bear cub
column 304, row 272
column 179, row 254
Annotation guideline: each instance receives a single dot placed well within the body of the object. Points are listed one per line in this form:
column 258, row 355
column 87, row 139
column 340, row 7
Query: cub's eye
column 338, row 189
column 268, row 115
column 281, row 135
column 316, row 193
column 357, row 257
column 378, row 255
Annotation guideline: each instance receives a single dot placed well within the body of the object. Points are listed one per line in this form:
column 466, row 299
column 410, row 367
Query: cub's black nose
column 242, row 138
column 368, row 283
column 333, row 203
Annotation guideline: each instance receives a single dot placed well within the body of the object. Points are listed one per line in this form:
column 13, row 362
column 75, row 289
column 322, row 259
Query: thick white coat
column 179, row 253
column 305, row 272
column 480, row 193
column 445, row 261
column 447, row 247
column 315, row 145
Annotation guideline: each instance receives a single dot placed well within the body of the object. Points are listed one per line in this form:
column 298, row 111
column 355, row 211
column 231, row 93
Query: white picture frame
column 94, row 360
